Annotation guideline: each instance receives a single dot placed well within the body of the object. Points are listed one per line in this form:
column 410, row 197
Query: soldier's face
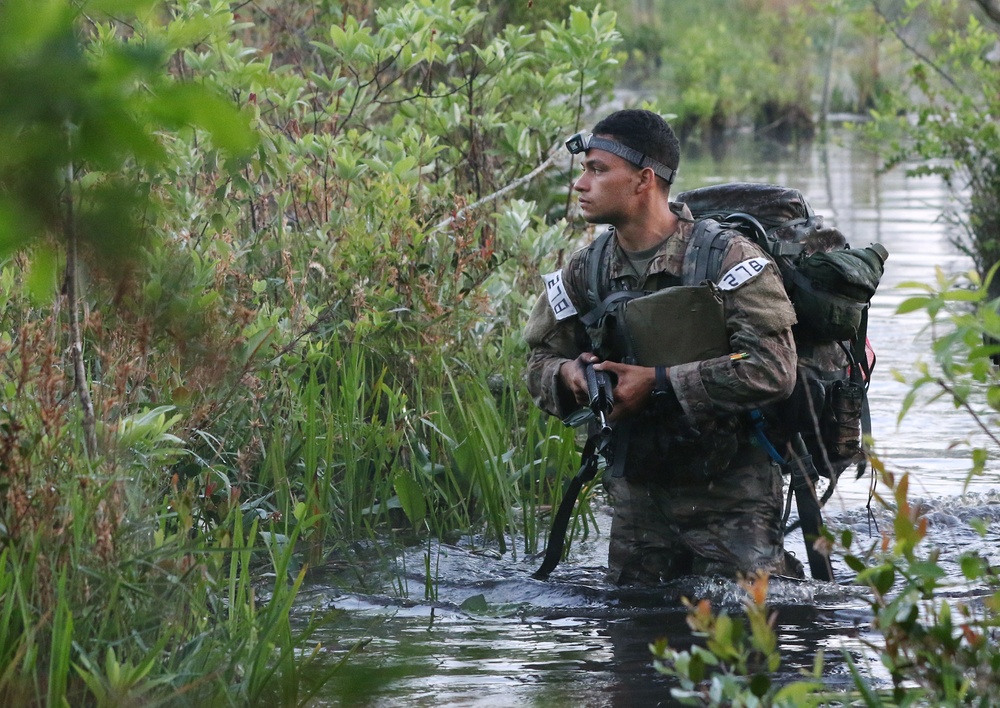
column 605, row 187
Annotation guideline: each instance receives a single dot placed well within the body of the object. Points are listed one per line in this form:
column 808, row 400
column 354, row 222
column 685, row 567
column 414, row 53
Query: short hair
column 644, row 131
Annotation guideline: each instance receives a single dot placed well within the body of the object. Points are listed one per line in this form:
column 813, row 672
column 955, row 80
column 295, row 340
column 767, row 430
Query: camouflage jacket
column 758, row 318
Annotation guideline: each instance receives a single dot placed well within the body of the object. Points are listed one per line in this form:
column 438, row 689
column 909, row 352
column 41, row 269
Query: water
column 495, row 637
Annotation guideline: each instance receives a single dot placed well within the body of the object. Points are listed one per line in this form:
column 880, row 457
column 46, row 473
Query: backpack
column 830, row 286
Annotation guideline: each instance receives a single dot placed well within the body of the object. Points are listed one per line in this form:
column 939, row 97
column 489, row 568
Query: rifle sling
column 557, row 537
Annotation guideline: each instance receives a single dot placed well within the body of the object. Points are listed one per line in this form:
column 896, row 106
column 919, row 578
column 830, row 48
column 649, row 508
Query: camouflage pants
column 725, row 525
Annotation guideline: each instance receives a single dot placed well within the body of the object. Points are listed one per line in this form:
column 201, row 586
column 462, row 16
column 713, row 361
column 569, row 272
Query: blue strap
column 758, row 430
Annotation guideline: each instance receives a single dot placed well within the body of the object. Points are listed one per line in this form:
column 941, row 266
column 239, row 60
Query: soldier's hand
column 635, row 384
column 574, row 377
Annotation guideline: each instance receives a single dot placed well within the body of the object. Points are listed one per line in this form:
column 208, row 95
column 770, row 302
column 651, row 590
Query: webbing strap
column 557, row 537
column 810, row 516
column 860, row 355
column 705, row 249
column 591, row 318
column 595, row 261
column 758, row 430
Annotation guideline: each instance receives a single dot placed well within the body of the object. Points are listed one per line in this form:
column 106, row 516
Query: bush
column 294, row 272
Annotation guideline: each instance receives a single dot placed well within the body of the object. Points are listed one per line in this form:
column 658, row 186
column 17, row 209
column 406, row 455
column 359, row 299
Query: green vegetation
column 774, row 67
column 264, row 268
column 942, row 119
column 263, row 288
column 936, row 633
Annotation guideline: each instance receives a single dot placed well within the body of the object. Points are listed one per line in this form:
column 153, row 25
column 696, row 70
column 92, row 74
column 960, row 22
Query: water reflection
column 493, row 636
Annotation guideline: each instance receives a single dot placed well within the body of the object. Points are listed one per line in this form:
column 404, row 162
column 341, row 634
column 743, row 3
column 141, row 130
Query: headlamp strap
column 634, row 156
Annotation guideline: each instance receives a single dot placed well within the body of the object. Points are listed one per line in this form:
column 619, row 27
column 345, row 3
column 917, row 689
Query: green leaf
column 854, row 563
column 42, row 276
column 972, row 566
column 846, row 538
column 963, row 295
column 60, row 650
column 180, row 105
column 476, row 603
column 760, row 684
column 696, row 668
column 579, row 22
column 881, row 578
column 913, row 304
column 256, row 343
column 411, row 496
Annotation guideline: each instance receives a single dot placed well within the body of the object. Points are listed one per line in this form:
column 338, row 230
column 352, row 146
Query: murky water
column 495, row 637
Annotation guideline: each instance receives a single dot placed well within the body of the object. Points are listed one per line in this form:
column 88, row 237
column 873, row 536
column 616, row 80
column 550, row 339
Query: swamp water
column 493, row 636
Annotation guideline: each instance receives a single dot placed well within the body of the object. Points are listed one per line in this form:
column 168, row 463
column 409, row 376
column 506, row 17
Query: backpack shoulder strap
column 595, row 257
column 703, row 257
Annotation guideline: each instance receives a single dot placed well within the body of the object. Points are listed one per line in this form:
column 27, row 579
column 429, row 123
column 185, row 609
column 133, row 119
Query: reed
column 356, row 457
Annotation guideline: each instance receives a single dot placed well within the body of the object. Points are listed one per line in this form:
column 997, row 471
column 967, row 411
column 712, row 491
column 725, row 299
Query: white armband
column 559, row 301
column 742, row 272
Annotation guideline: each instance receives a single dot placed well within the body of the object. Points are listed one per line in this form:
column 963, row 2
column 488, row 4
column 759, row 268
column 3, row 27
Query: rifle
column 601, row 401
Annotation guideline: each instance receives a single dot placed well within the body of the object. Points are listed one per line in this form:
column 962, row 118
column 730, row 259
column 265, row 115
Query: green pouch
column 676, row 325
column 832, row 289
column 850, row 273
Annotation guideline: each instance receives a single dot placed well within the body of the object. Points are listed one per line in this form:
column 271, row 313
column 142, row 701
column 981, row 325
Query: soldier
column 692, row 493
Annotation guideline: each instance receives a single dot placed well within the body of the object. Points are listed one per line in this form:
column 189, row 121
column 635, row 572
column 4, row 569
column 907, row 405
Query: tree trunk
column 824, row 110
column 73, row 307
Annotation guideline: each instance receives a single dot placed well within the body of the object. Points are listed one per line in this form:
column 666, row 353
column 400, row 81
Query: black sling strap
column 802, row 481
column 595, row 446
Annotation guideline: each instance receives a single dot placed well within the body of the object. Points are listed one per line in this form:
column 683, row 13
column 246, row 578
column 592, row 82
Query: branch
column 965, row 404
column 76, row 338
column 499, row 193
column 991, row 8
column 913, row 50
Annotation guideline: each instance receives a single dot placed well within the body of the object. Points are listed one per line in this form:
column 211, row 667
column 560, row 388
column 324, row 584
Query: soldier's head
column 645, row 132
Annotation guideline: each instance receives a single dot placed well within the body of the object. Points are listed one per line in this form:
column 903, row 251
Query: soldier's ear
column 647, row 180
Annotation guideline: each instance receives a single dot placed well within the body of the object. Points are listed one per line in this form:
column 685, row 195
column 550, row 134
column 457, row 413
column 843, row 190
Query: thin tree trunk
column 991, row 8
column 828, row 75
column 76, row 339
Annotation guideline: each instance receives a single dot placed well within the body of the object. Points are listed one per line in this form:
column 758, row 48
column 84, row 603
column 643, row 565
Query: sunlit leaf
column 43, row 274
column 181, row 105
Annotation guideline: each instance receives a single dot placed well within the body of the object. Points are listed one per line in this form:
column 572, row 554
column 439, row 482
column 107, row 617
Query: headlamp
column 582, row 142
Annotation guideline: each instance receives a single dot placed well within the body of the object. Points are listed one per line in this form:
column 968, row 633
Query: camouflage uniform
column 696, row 494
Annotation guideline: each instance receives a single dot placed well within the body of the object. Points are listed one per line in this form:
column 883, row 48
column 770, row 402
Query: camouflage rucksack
column 830, row 285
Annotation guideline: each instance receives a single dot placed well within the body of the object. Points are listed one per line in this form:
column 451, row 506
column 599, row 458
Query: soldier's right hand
column 574, row 378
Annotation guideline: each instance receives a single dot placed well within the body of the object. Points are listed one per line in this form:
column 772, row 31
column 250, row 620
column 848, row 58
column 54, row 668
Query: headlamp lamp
column 582, row 142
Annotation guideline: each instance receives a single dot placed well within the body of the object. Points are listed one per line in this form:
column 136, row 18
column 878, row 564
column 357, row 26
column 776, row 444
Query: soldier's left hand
column 635, row 384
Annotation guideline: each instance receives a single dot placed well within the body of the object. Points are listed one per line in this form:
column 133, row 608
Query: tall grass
column 354, row 456
column 155, row 624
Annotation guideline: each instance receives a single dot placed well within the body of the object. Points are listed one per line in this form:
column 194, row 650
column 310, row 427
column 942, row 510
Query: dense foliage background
column 264, row 268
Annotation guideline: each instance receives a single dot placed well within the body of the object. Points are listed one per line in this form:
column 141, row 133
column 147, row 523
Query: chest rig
column 664, row 319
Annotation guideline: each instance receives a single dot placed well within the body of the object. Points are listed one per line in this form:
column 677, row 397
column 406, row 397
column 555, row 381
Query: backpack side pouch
column 832, row 289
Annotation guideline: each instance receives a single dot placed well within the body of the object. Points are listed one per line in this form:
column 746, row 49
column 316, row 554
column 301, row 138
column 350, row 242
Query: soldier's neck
column 647, row 231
